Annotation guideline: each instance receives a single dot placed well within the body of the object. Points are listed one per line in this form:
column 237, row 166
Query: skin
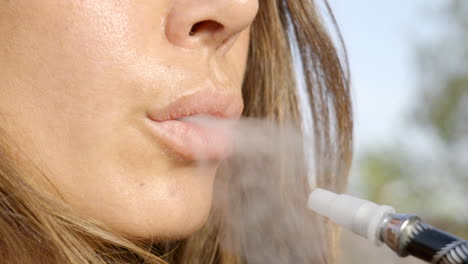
column 77, row 79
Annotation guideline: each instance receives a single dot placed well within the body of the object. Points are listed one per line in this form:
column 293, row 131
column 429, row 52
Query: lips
column 193, row 140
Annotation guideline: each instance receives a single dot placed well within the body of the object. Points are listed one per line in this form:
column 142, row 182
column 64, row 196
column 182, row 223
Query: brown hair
column 37, row 228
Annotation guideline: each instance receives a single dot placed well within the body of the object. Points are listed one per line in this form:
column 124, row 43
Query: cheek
column 237, row 57
column 67, row 63
column 76, row 90
column 77, row 78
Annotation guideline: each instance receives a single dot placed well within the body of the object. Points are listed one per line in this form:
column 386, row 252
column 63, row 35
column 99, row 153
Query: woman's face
column 92, row 91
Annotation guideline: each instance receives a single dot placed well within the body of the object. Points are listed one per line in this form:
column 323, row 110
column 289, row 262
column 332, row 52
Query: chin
column 178, row 224
column 169, row 210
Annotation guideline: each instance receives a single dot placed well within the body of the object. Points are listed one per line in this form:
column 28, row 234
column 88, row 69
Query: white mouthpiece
column 360, row 216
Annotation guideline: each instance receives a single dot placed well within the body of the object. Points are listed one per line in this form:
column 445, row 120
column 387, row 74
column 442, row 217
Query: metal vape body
column 404, row 234
column 409, row 235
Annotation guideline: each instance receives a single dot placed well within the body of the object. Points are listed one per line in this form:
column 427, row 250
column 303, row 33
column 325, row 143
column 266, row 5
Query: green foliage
column 432, row 183
column 379, row 169
column 440, row 113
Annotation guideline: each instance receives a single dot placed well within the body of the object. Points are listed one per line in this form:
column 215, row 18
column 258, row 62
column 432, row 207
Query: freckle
column 142, row 184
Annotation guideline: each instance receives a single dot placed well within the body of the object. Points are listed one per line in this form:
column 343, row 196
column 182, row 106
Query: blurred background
column 409, row 65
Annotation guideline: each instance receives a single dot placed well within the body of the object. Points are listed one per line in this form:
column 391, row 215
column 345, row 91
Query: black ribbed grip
column 436, row 246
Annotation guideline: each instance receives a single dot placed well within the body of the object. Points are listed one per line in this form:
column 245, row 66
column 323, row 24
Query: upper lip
column 226, row 105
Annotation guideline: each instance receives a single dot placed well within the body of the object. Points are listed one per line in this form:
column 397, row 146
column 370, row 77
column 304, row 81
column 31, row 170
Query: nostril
column 209, row 26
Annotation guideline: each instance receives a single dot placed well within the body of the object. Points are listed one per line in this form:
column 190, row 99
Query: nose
column 197, row 24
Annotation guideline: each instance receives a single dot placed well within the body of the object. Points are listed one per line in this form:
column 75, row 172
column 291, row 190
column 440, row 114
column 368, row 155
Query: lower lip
column 192, row 142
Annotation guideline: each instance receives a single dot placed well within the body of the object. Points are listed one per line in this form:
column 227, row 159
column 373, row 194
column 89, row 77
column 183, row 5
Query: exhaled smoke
column 261, row 195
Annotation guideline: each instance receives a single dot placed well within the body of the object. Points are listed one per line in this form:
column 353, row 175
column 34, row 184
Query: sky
column 381, row 38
